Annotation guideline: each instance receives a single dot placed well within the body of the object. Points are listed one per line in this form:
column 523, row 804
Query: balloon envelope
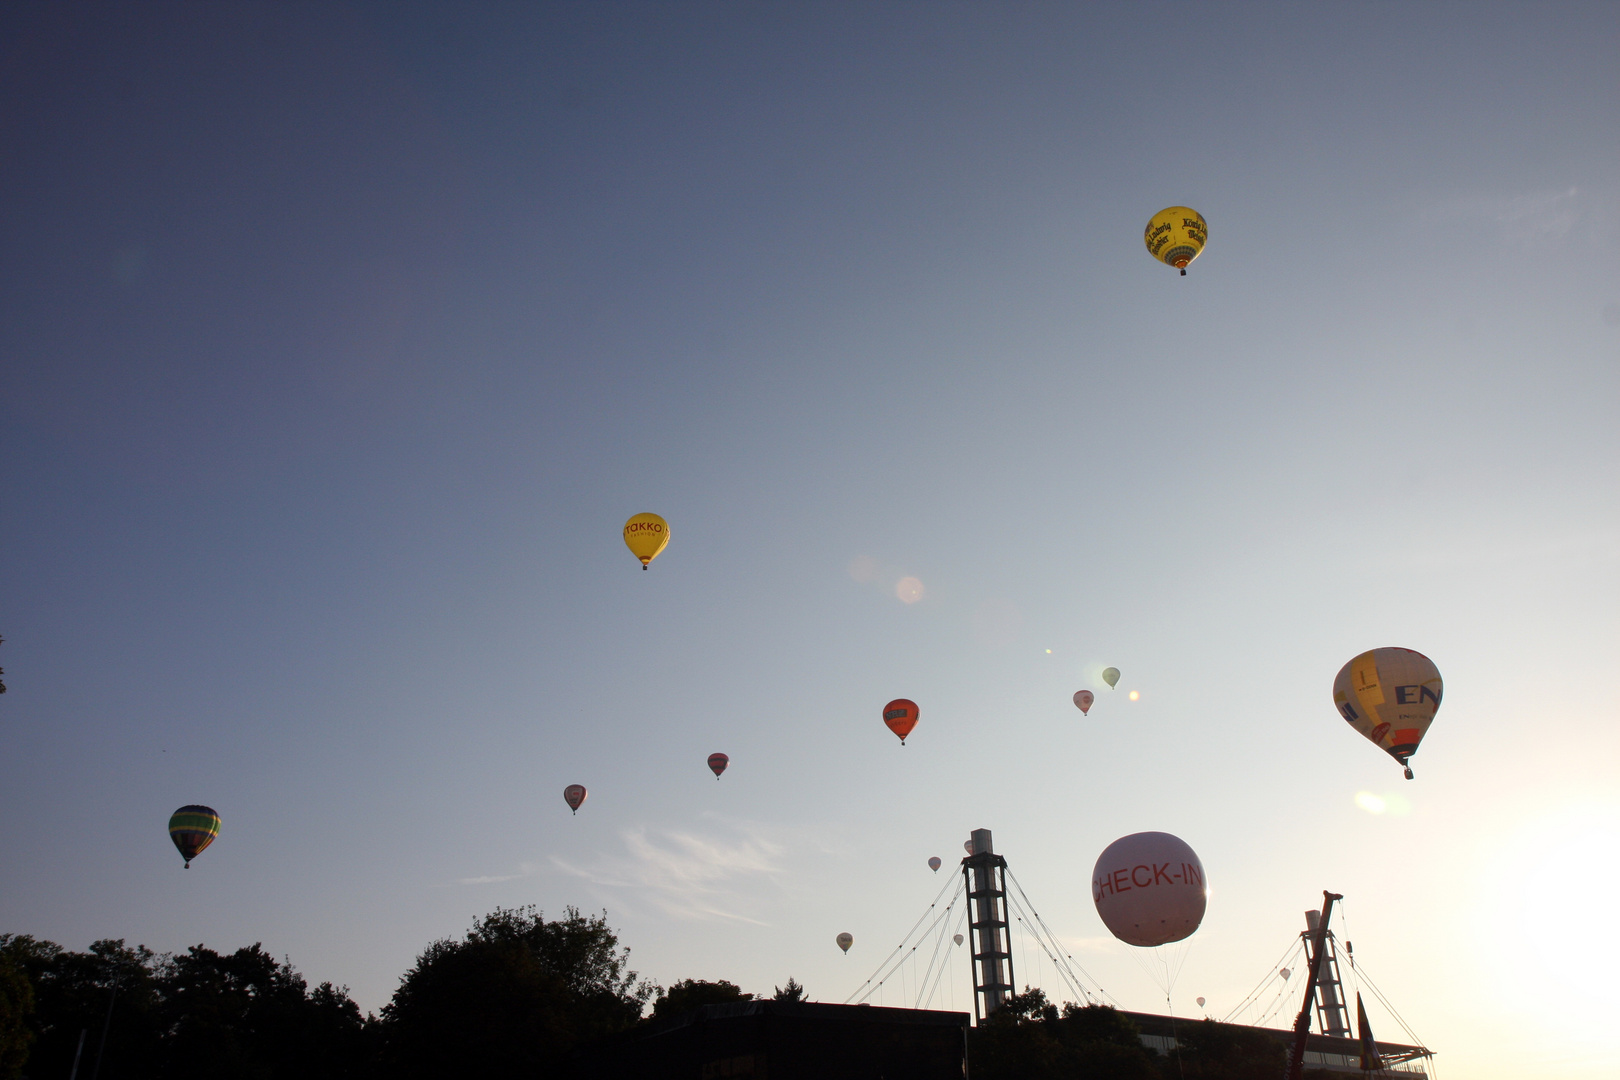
column 1200, row 1003
column 845, row 941
column 574, row 796
column 957, row 938
column 934, row 863
column 1176, row 235
column 1083, row 700
column 901, row 716
column 1390, row 696
column 1149, row 889
column 718, row 763
column 646, row 535
column 967, row 846
column 1285, row 973
column 193, row 828
column 1111, row 676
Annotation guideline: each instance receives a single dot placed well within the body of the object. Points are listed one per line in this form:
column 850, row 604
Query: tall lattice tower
column 986, row 875
column 1332, row 1017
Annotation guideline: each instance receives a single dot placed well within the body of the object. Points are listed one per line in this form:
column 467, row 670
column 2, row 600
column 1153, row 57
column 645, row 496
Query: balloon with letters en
column 1149, row 888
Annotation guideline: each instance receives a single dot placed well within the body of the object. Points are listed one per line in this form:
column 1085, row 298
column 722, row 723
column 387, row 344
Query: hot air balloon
column 193, row 828
column 1200, row 1003
column 1111, row 676
column 718, row 763
column 845, row 941
column 574, row 796
column 967, row 846
column 934, row 864
column 1175, row 236
column 957, row 938
column 1149, row 889
column 901, row 716
column 646, row 535
column 1285, row 973
column 1390, row 696
column 1083, row 700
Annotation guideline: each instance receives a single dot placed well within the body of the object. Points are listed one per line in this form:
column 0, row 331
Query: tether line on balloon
column 1069, row 958
column 891, row 963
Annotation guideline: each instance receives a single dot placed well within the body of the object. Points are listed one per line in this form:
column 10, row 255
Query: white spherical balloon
column 1149, row 889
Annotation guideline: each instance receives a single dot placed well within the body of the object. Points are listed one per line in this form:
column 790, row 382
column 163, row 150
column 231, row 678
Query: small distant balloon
column 1390, row 696
column 1149, row 889
column 1083, row 700
column 957, row 938
column 1200, row 1003
column 967, row 846
column 574, row 796
column 901, row 716
column 1111, row 676
column 646, row 535
column 193, row 828
column 1285, row 973
column 934, row 863
column 718, row 763
column 845, row 941
column 1175, row 236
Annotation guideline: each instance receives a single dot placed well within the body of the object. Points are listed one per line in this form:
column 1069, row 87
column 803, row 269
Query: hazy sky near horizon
column 338, row 341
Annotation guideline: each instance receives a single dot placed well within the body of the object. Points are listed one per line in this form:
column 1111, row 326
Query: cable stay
column 1068, row 964
column 892, row 962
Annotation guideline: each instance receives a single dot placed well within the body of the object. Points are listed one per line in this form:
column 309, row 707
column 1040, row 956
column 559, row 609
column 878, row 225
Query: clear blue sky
column 338, row 341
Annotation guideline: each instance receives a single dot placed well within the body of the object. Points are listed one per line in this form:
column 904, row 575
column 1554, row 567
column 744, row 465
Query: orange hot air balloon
column 574, row 796
column 718, row 763
column 901, row 716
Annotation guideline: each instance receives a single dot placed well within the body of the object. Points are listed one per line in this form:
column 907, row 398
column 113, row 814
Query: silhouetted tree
column 16, row 1006
column 690, row 993
column 1030, row 1039
column 511, row 998
column 248, row 1015
column 72, row 992
column 793, row 991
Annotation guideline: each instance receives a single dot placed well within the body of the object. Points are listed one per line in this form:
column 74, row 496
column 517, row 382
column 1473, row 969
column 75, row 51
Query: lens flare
column 1135, row 696
column 909, row 590
column 1373, row 804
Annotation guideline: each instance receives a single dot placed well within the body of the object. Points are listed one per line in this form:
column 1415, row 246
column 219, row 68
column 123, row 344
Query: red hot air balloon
column 574, row 796
column 1083, row 700
column 901, row 716
column 718, row 763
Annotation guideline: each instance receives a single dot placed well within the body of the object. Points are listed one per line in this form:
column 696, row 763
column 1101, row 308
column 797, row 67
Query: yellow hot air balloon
column 646, row 535
column 1175, row 236
column 1390, row 696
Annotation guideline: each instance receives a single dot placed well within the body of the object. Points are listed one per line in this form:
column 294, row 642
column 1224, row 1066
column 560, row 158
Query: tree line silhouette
column 516, row 996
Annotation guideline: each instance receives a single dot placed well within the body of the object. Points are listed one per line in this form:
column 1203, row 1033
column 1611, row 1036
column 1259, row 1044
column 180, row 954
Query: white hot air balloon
column 934, row 863
column 957, row 938
column 845, row 941
column 1083, row 700
column 1149, row 889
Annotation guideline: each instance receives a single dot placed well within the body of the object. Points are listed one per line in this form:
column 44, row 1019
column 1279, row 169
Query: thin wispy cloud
column 687, row 874
column 1525, row 218
column 524, row 870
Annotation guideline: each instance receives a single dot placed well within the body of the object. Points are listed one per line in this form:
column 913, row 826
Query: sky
column 338, row 341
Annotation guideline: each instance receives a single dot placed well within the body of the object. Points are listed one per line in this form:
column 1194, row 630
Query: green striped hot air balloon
column 193, row 828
